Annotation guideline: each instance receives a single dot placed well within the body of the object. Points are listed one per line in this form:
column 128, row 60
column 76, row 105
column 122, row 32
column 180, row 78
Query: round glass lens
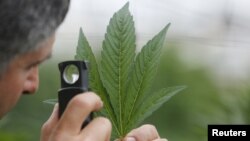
column 71, row 74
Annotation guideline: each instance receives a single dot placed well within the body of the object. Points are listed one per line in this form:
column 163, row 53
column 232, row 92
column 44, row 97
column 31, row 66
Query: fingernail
column 130, row 139
column 101, row 104
column 164, row 140
column 56, row 107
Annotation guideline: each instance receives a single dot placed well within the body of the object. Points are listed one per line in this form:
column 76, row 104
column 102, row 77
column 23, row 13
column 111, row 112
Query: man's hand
column 68, row 127
column 144, row 133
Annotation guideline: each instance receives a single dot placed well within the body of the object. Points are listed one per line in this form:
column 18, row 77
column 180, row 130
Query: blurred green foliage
column 183, row 117
column 186, row 116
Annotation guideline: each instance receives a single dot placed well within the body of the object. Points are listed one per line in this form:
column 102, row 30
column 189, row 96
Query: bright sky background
column 216, row 32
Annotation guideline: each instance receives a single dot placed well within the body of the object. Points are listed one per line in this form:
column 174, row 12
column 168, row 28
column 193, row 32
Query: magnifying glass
column 74, row 81
column 71, row 74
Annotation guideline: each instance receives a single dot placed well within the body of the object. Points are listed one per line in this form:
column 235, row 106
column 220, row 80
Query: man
column 27, row 33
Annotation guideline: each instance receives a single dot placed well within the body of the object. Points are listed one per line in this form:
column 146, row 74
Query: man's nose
column 32, row 81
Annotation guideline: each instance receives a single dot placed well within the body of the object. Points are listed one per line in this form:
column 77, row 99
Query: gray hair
column 25, row 23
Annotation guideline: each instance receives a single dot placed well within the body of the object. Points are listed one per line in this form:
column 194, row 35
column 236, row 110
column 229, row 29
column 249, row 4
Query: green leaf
column 123, row 81
column 51, row 101
column 117, row 58
column 84, row 52
column 152, row 103
column 143, row 73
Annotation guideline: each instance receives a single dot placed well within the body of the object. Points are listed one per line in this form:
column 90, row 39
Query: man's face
column 21, row 76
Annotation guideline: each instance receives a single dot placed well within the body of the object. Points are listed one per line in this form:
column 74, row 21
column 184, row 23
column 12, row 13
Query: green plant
column 123, row 79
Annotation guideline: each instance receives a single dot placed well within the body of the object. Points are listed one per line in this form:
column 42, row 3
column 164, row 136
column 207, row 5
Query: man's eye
column 31, row 66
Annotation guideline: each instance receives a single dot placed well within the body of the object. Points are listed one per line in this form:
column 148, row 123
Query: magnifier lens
column 71, row 74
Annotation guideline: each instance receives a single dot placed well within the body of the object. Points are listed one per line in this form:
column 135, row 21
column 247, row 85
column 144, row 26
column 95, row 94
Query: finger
column 143, row 133
column 77, row 111
column 49, row 125
column 97, row 130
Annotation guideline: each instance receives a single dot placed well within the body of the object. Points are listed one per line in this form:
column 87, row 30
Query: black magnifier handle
column 74, row 81
column 64, row 96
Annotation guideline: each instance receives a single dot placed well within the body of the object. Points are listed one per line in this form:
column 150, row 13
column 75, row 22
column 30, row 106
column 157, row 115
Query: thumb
column 50, row 124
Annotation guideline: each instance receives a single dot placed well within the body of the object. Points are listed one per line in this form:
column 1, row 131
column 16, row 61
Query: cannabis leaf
column 117, row 57
column 84, row 52
column 51, row 101
column 123, row 79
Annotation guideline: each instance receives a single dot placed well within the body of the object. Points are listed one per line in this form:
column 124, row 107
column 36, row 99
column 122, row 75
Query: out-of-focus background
column 207, row 49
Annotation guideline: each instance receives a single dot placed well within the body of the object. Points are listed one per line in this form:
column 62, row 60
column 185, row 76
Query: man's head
column 27, row 30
